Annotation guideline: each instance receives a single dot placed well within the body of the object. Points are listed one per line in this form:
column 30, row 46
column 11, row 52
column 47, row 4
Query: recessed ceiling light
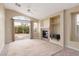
column 17, row 4
column 28, row 10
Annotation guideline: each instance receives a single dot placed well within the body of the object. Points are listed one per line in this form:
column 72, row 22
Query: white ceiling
column 40, row 10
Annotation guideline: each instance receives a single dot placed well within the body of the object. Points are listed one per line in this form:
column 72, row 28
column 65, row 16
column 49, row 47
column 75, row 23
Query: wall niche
column 55, row 28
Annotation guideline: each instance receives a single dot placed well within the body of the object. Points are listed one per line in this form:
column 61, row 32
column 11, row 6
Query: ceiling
column 39, row 10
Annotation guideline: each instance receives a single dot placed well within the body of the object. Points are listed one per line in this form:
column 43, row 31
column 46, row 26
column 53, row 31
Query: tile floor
column 31, row 47
column 35, row 47
column 67, row 52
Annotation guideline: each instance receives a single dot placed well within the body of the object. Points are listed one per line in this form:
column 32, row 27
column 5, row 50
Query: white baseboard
column 73, row 48
column 2, row 48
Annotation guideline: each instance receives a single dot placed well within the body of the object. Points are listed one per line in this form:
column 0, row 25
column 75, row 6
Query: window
column 75, row 27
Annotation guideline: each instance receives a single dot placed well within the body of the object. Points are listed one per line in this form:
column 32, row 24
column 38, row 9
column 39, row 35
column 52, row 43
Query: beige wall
column 2, row 27
column 68, row 41
column 61, row 28
column 8, row 16
column 65, row 28
column 8, row 21
column 45, row 23
column 36, row 34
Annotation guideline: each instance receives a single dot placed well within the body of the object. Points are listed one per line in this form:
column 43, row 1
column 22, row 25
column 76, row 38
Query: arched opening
column 21, row 28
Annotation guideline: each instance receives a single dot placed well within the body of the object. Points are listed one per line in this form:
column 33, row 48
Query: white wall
column 2, row 27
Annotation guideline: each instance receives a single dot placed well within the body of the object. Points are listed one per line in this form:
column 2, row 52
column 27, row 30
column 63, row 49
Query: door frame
column 13, row 31
column 13, row 34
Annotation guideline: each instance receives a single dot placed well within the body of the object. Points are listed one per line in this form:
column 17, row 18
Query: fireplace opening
column 44, row 33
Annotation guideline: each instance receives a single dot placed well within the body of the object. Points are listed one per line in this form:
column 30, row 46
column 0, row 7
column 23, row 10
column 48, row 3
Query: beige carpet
column 32, row 47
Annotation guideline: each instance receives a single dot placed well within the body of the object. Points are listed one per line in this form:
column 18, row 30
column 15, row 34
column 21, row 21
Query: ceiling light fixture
column 29, row 8
column 17, row 4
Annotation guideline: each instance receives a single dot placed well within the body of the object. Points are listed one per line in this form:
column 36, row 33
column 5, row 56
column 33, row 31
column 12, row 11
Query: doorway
column 21, row 28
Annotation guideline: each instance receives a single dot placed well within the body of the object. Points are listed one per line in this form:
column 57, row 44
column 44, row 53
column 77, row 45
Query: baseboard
column 73, row 48
column 1, row 48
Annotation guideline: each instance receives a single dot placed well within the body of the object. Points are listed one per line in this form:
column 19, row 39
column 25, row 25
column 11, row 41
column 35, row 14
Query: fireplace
column 44, row 33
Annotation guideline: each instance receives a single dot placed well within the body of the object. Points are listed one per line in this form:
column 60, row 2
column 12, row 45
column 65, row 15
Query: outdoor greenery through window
column 22, row 29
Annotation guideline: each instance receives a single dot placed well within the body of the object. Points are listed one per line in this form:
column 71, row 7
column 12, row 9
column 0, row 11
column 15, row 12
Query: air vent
column 17, row 4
